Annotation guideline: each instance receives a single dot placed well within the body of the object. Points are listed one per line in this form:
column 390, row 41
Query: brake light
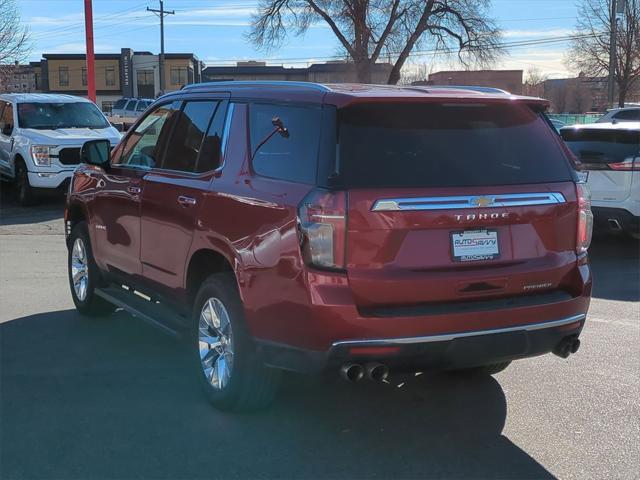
column 627, row 165
column 585, row 218
column 322, row 224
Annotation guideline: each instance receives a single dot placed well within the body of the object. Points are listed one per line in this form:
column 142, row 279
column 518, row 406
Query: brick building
column 20, row 78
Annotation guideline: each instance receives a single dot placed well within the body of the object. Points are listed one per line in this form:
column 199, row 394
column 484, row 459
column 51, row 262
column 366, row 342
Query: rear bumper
column 615, row 219
column 446, row 351
column 331, row 328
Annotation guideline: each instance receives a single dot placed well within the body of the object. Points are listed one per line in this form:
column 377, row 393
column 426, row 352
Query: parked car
column 130, row 107
column 354, row 228
column 625, row 114
column 609, row 153
column 557, row 124
column 41, row 136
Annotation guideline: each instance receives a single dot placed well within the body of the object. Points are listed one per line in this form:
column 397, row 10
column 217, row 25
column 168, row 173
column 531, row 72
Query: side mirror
column 7, row 129
column 279, row 126
column 96, row 152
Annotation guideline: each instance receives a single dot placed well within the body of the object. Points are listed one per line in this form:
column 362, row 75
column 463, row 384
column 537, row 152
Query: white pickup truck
column 40, row 139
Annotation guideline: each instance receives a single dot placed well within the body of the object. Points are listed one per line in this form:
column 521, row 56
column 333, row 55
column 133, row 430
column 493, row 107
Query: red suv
column 306, row 227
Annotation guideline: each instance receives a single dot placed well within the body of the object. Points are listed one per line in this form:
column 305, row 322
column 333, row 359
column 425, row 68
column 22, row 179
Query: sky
column 215, row 31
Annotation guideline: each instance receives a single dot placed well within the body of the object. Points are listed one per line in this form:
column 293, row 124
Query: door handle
column 186, row 201
column 133, row 189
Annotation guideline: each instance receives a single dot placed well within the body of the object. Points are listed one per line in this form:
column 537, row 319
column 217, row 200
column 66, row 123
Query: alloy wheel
column 215, row 339
column 79, row 269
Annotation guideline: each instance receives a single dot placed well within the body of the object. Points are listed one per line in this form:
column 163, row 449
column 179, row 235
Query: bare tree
column 534, row 82
column 590, row 51
column 14, row 43
column 414, row 73
column 367, row 29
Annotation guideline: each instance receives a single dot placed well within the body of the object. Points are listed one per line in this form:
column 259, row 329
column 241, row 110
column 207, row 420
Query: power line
column 161, row 13
column 448, row 51
column 80, row 25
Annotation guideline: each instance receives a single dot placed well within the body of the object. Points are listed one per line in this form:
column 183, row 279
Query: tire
column 490, row 369
column 25, row 194
column 80, row 259
column 233, row 376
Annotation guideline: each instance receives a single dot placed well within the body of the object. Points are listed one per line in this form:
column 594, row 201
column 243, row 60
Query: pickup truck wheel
column 83, row 275
column 232, row 374
column 490, row 369
column 25, row 193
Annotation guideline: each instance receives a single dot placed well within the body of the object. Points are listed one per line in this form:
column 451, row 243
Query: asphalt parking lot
column 110, row 399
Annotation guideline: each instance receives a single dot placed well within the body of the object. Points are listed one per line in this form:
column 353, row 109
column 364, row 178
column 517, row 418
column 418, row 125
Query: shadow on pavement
column 112, row 398
column 49, row 207
column 615, row 262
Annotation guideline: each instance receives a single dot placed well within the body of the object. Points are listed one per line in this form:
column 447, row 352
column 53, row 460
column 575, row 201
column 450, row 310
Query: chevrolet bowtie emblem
column 482, row 201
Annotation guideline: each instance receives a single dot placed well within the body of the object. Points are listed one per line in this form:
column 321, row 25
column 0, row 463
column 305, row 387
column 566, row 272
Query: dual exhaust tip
column 354, row 372
column 378, row 372
column 566, row 347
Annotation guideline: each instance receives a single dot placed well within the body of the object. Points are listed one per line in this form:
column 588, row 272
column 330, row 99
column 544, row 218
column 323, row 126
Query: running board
column 156, row 314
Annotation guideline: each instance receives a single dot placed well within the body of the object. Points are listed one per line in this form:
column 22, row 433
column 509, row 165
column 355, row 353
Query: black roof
column 251, row 70
column 80, row 56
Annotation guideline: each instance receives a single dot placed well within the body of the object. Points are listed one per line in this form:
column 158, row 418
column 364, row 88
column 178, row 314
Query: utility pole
column 91, row 70
column 161, row 13
column 612, row 53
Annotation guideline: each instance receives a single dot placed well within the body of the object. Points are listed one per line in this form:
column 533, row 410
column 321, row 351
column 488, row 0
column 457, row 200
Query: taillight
column 322, row 223
column 627, row 165
column 585, row 218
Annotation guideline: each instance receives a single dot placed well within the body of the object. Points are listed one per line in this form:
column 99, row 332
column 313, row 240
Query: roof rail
column 258, row 83
column 475, row 88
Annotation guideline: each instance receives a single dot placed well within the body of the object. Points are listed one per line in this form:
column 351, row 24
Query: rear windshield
column 602, row 145
column 440, row 145
column 50, row 116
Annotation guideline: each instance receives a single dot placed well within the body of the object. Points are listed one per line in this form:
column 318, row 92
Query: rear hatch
column 610, row 156
column 454, row 202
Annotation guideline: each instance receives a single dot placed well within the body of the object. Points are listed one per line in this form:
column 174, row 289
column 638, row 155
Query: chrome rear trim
column 468, row 201
column 452, row 336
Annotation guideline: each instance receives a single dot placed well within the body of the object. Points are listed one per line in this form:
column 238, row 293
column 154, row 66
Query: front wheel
column 232, row 374
column 84, row 275
column 25, row 193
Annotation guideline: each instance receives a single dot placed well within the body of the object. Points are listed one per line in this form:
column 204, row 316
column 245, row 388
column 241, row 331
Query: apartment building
column 19, row 78
column 125, row 74
column 330, row 72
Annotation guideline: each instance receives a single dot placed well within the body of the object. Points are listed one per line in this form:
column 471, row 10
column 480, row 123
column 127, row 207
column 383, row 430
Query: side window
column 120, row 104
column 6, row 119
column 188, row 134
column 628, row 115
column 211, row 150
column 294, row 158
column 131, row 105
column 142, row 106
column 144, row 146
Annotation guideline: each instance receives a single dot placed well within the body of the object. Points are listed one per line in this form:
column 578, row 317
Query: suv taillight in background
column 322, row 223
column 627, row 165
column 585, row 218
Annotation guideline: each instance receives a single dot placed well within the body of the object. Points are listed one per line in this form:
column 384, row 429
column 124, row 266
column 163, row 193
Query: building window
column 110, row 76
column 63, row 75
column 107, row 107
column 144, row 77
column 84, row 76
column 178, row 76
